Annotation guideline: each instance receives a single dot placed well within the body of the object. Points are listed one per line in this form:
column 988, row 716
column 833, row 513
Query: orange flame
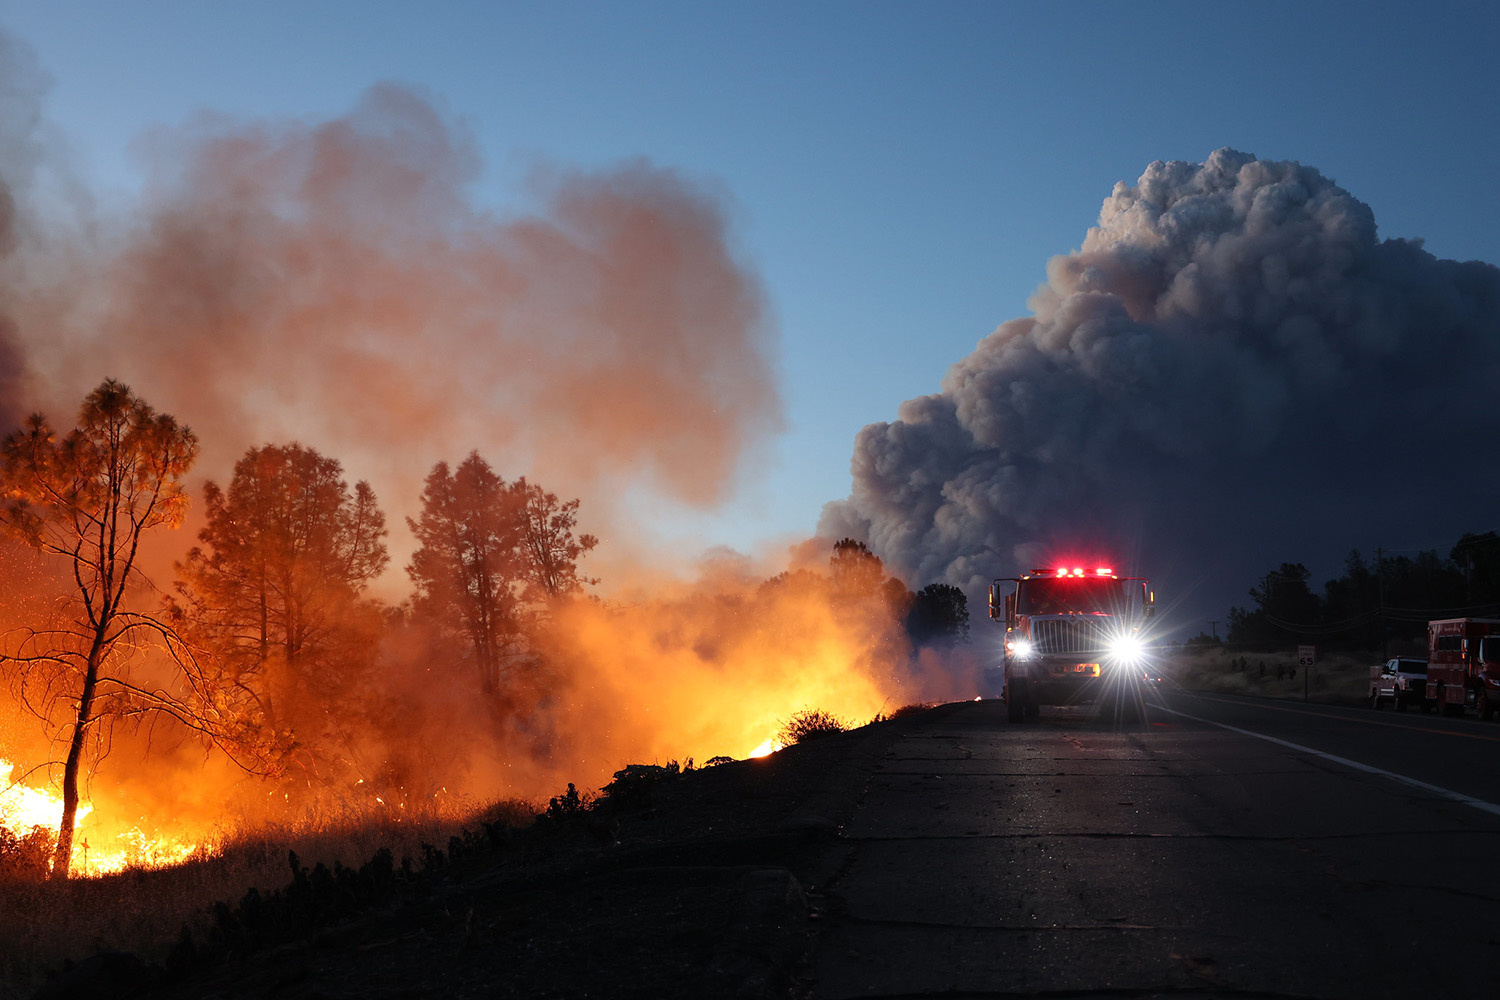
column 99, row 850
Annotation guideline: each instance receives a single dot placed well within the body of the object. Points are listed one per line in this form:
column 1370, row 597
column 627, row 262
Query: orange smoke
column 337, row 284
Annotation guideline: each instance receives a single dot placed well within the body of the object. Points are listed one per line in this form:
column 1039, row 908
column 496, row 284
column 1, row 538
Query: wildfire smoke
column 338, row 283
column 1232, row 358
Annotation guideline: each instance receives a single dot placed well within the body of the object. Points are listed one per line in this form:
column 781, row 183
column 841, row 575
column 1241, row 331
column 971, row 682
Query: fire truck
column 1070, row 634
column 1463, row 665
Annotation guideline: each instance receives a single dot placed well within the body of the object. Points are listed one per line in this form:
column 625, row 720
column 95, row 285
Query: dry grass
column 45, row 924
column 1337, row 679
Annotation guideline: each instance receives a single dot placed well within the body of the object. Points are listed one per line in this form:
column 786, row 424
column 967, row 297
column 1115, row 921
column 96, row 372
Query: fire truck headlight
column 1127, row 649
column 1022, row 648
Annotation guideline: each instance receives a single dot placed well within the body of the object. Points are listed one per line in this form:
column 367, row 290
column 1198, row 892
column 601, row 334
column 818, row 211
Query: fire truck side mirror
column 1150, row 606
column 999, row 602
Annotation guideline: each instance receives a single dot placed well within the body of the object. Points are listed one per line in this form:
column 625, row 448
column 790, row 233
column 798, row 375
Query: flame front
column 23, row 808
column 100, row 850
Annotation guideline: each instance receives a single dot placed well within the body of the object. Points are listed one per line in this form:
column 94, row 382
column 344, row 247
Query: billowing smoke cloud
column 1233, row 371
column 335, row 283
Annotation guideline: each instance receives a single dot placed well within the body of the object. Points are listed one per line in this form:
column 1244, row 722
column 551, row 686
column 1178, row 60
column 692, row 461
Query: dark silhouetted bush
column 633, row 784
column 809, row 724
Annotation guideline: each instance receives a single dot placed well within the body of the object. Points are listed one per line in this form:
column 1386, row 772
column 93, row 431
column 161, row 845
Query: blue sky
column 898, row 174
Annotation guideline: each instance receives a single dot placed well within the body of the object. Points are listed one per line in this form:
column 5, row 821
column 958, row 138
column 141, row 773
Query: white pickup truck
column 1401, row 681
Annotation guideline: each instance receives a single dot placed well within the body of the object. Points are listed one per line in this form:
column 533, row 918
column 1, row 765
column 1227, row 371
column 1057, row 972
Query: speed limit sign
column 1306, row 655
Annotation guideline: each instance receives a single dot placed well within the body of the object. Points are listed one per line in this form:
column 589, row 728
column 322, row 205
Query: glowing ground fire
column 100, row 851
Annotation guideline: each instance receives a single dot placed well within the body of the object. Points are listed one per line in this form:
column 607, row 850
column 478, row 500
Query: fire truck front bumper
column 1060, row 682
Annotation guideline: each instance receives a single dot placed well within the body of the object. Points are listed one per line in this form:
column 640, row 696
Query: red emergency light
column 1077, row 571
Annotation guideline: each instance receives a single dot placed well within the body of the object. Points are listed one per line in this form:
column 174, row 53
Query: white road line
column 1468, row 800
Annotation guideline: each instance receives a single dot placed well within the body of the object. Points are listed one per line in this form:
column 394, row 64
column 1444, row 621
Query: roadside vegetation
column 259, row 889
column 1340, row 678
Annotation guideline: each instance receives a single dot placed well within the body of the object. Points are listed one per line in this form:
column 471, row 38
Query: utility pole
column 1213, row 623
column 1380, row 598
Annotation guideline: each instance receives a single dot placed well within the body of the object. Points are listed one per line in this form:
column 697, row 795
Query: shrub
column 26, row 857
column 809, row 724
column 912, row 709
column 633, row 784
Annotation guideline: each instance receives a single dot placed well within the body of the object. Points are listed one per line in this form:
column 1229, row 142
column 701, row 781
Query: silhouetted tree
column 489, row 552
column 90, row 498
column 552, row 551
column 939, row 615
column 855, row 570
column 1351, row 604
column 1285, row 610
column 470, row 565
column 856, row 575
column 276, row 590
column 1392, row 598
column 1476, row 558
column 801, row 581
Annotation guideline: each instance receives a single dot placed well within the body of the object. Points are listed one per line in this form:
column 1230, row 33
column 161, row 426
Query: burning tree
column 488, row 552
column 276, row 589
column 90, row 498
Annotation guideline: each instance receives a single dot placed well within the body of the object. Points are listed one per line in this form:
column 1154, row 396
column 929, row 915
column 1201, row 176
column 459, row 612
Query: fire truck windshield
column 1047, row 596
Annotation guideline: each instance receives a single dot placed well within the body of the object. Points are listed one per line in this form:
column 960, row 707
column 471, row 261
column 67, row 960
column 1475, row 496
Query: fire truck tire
column 1017, row 701
column 1032, row 708
column 1485, row 706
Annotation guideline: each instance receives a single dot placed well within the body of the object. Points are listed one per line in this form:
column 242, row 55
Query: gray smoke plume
column 1233, row 371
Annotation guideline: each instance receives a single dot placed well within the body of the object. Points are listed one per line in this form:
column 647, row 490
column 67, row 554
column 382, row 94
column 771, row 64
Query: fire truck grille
column 1068, row 636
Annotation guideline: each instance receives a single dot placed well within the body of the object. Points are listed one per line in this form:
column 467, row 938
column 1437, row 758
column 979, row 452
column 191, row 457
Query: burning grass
column 150, row 911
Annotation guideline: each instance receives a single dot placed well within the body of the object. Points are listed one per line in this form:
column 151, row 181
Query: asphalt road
column 1216, row 847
